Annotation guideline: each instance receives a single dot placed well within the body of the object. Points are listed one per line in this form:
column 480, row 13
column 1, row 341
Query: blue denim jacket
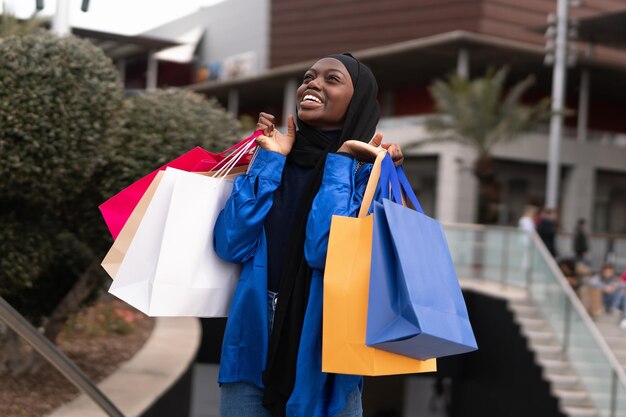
column 240, row 238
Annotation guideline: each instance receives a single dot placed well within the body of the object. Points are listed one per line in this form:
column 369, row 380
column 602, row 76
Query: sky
column 126, row 17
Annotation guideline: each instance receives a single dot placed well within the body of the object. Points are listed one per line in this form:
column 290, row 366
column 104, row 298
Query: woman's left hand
column 361, row 151
column 394, row 149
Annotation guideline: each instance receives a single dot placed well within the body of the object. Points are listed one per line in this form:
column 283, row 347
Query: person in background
column 527, row 221
column 568, row 268
column 526, row 224
column 546, row 228
column 581, row 242
column 612, row 289
column 590, row 290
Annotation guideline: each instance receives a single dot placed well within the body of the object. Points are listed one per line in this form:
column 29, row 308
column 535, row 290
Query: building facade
column 408, row 44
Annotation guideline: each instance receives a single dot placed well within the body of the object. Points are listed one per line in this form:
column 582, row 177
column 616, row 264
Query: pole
column 61, row 19
column 558, row 98
column 56, row 358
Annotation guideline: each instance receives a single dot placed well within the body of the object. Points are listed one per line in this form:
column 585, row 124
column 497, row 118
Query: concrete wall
column 231, row 27
column 235, row 27
column 457, row 188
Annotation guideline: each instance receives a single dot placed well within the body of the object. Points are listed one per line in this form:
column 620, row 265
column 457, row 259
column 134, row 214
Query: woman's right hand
column 272, row 139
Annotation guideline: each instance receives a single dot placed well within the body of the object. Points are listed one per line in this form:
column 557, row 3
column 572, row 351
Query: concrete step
column 575, row 398
column 525, row 311
column 555, row 367
column 550, row 351
column 563, row 382
column 522, row 301
column 580, row 411
column 530, row 323
column 539, row 337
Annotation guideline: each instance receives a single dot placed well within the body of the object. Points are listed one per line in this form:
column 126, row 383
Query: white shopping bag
column 170, row 268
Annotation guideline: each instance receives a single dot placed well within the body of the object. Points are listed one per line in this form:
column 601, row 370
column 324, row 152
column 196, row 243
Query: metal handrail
column 54, row 356
column 618, row 371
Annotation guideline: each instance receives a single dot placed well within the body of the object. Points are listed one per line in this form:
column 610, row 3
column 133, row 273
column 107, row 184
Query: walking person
column 581, row 241
column 276, row 224
column 547, row 228
column 526, row 224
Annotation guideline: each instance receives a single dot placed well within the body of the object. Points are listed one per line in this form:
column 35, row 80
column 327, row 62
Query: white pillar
column 61, row 19
column 457, row 188
column 152, row 72
column 463, row 64
column 289, row 99
column 233, row 101
column 583, row 105
column 558, row 99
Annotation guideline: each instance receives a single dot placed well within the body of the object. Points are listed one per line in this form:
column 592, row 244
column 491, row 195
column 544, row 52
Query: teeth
column 311, row 98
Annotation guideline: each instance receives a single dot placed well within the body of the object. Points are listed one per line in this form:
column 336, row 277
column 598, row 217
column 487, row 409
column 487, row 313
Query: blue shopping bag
column 415, row 306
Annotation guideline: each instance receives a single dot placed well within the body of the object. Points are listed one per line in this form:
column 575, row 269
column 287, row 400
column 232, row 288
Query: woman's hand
column 394, row 149
column 272, row 139
column 361, row 151
column 366, row 152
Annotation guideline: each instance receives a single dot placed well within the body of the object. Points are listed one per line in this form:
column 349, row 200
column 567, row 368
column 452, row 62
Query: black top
column 279, row 220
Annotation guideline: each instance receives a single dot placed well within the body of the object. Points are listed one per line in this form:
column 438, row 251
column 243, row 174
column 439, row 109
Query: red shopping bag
column 117, row 209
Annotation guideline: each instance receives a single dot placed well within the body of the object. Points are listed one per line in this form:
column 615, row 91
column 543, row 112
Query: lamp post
column 558, row 55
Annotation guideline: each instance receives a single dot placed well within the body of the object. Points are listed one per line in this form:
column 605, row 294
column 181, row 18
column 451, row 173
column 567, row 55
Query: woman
column 276, row 224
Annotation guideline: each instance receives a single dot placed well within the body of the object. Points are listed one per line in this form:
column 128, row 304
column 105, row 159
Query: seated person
column 612, row 289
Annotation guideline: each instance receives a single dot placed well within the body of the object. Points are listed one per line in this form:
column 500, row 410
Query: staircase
column 573, row 398
column 585, row 363
column 615, row 336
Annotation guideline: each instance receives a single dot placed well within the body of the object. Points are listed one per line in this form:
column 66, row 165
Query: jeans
column 241, row 399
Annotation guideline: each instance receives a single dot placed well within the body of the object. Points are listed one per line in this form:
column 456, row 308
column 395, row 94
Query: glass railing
column 511, row 257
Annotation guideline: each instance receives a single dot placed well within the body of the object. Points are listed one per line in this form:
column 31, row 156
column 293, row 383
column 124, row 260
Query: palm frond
column 478, row 111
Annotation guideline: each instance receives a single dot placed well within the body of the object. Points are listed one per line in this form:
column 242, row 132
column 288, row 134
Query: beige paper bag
column 115, row 256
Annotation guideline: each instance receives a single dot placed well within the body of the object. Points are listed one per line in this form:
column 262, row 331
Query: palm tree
column 480, row 114
column 11, row 25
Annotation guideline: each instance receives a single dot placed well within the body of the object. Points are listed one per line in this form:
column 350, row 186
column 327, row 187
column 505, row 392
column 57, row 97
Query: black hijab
column 310, row 150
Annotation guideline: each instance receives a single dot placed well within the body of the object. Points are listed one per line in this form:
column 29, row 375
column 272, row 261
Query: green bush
column 68, row 141
column 60, row 98
column 161, row 125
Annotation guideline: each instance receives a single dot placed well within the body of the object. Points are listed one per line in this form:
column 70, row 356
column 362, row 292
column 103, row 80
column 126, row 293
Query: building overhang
column 118, row 46
column 421, row 61
column 607, row 29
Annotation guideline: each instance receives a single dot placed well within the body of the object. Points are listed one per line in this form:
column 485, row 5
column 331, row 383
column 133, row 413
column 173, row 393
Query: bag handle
column 408, row 190
column 399, row 186
column 390, row 186
column 372, row 184
column 237, row 149
column 233, row 159
column 256, row 134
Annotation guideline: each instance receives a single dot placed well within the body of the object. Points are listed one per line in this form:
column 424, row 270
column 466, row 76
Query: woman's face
column 324, row 95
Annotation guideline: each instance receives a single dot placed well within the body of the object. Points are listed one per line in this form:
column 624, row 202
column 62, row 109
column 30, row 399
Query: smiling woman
column 276, row 223
column 325, row 94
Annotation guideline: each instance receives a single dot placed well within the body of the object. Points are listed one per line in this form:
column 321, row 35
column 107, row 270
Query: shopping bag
column 416, row 307
column 117, row 252
column 170, row 267
column 346, row 286
column 115, row 255
column 117, row 209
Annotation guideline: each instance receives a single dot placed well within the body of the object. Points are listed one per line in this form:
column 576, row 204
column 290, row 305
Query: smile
column 310, row 97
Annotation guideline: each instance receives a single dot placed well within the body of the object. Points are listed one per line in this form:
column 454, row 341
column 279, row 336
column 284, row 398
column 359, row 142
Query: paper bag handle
column 372, row 184
column 399, row 184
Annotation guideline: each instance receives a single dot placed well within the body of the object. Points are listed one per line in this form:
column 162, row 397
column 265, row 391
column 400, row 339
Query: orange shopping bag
column 346, row 291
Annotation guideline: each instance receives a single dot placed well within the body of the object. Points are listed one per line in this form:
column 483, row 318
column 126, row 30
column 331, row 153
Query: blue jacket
column 240, row 238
